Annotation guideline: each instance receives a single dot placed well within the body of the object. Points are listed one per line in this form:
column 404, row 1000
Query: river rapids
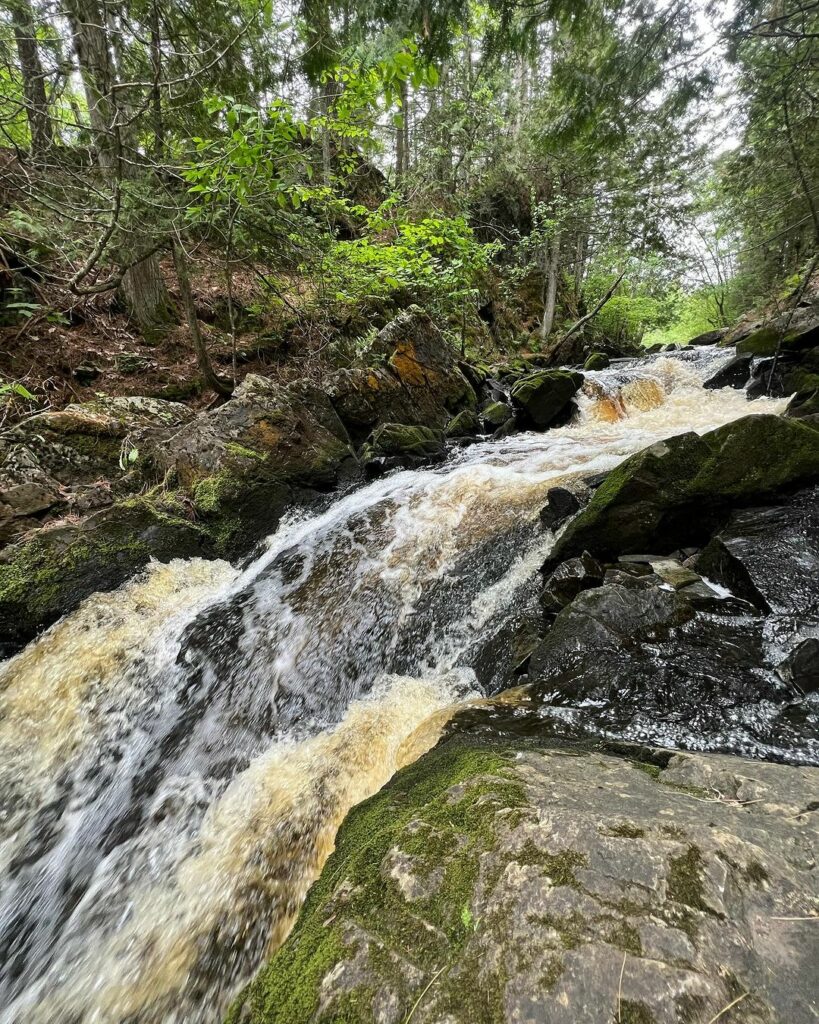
column 177, row 755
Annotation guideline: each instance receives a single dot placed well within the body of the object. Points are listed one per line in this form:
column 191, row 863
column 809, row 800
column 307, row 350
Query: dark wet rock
column 770, row 556
column 709, row 337
column 735, row 374
column 561, row 503
column 804, row 405
column 675, row 575
column 674, row 492
column 544, row 398
column 638, row 659
column 801, row 667
column 569, row 579
column 495, row 414
column 505, row 881
column 597, row 361
column 464, row 424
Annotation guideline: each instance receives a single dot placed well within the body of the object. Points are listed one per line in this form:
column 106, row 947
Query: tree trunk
column 550, row 274
column 401, row 138
column 31, row 69
column 209, row 375
column 143, row 285
column 156, row 92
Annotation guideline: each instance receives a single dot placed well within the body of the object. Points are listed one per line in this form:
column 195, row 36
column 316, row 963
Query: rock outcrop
column 515, row 881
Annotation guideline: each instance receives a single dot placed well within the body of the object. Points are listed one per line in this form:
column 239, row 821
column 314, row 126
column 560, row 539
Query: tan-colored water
column 176, row 756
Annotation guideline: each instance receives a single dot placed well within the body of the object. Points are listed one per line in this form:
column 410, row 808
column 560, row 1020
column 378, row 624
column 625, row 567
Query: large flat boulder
column 507, row 882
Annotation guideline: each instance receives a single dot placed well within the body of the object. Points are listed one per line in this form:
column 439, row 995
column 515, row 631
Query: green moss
column 761, row 343
column 633, row 1012
column 624, row 830
column 559, row 867
column 455, row 828
column 624, row 936
column 685, row 880
column 756, row 873
column 571, row 928
column 243, row 452
column 597, row 361
column 652, row 770
column 552, row 973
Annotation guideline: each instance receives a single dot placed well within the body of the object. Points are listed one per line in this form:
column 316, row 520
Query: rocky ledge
column 511, row 882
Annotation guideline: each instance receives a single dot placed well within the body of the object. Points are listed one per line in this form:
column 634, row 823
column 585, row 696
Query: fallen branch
column 590, row 316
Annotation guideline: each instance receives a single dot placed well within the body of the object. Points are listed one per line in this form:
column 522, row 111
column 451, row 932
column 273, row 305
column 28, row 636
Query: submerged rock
column 504, row 882
column 544, row 398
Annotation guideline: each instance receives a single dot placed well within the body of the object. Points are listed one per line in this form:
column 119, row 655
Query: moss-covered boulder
column 673, row 491
column 464, row 424
column 502, row 882
column 798, row 333
column 495, row 414
column 81, row 458
column 544, row 398
column 47, row 576
column 597, row 361
column 402, row 440
column 250, row 455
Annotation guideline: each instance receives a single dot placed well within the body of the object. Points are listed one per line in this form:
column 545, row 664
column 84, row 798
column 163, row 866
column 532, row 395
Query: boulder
column 495, row 414
column 597, row 361
column 803, row 405
column 501, row 881
column 735, row 374
column 801, row 666
column 47, row 576
column 709, row 337
column 569, row 579
column 464, row 424
column 544, row 398
column 561, row 503
column 674, row 492
column 797, row 332
column 410, row 443
column 419, row 379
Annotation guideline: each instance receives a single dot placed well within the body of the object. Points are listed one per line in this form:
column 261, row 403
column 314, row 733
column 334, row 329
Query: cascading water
column 176, row 756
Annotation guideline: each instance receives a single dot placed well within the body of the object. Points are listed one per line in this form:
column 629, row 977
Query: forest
column 188, row 188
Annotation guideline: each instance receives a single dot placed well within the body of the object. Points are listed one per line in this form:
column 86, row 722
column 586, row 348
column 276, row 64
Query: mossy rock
column 765, row 341
column 496, row 881
column 496, row 414
column 48, row 576
column 597, row 361
column 401, row 439
column 465, row 424
column 545, row 398
column 674, row 491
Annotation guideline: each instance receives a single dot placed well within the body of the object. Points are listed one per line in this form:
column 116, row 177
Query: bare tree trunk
column 551, row 268
column 209, row 375
column 31, row 69
column 401, row 138
column 156, row 93
column 143, row 285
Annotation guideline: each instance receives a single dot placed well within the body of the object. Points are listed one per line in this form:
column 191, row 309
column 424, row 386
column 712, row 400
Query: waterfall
column 176, row 756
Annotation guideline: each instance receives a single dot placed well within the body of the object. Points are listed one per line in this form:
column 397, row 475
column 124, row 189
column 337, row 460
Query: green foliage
column 436, row 259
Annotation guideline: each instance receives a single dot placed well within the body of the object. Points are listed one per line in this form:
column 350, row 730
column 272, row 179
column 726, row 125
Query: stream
column 177, row 755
